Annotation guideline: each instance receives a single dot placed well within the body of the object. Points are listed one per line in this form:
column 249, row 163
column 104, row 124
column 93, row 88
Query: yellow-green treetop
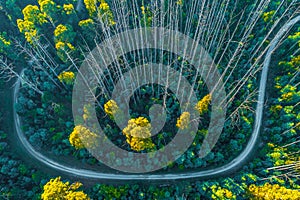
column 56, row 189
column 138, row 133
column 111, row 108
column 272, row 192
column 82, row 134
column 66, row 77
column 221, row 193
column 102, row 11
column 202, row 105
column 183, row 121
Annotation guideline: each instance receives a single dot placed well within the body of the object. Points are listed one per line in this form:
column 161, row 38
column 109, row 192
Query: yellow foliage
column 147, row 16
column 68, row 8
column 105, row 14
column 24, row 25
column 143, row 122
column 80, row 195
column 74, row 138
column 66, row 77
column 138, row 133
column 86, row 22
column 296, row 60
column 30, row 12
column 86, row 111
column 64, row 46
column 70, row 46
column 139, row 127
column 47, row 5
column 59, row 30
column 143, row 10
column 32, row 17
column 271, row 145
column 287, row 96
column 288, row 93
column 138, row 144
column 183, row 121
column 179, row 2
column 221, row 193
column 296, row 36
column 111, row 108
column 5, row 41
column 202, row 105
column 63, row 36
column 272, row 192
column 60, row 45
column 33, row 14
column 104, row 6
column 268, row 15
column 88, row 137
column 275, row 155
column 31, row 36
column 91, row 6
column 275, row 108
column 56, row 189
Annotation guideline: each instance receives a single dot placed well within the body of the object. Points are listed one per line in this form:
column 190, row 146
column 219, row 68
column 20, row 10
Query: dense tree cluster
column 58, row 35
column 64, row 35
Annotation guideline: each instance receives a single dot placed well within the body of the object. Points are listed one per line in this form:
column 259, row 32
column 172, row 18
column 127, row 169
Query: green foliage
column 111, row 192
column 23, row 169
column 13, row 9
column 282, row 128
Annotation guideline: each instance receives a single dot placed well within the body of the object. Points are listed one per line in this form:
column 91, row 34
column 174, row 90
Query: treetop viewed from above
column 148, row 99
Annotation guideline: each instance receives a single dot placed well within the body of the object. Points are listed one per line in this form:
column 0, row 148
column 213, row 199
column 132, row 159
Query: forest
column 148, row 99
